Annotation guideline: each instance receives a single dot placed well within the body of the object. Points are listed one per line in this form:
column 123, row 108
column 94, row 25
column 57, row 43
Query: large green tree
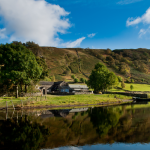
column 19, row 65
column 101, row 78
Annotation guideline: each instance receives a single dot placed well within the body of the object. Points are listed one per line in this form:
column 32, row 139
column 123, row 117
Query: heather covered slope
column 63, row 62
column 128, row 63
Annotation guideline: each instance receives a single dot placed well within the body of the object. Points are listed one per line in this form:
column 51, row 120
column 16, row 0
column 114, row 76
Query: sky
column 96, row 24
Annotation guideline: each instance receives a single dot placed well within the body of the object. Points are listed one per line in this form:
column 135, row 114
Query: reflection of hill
column 124, row 127
column 97, row 125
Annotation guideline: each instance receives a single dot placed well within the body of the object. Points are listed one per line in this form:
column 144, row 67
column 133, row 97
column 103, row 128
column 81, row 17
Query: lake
column 106, row 128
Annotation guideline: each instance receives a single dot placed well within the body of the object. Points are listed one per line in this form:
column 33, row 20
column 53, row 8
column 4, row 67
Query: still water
column 123, row 127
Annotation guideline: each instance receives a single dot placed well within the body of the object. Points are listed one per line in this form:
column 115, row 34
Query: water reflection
column 51, row 129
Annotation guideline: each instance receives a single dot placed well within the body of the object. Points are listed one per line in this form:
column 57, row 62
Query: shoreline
column 70, row 105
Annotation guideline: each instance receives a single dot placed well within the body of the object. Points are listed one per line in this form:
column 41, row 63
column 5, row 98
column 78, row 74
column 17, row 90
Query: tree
column 20, row 65
column 119, row 79
column 76, row 80
column 132, row 80
column 123, row 84
column 35, row 48
column 101, row 78
column 73, row 76
column 103, row 119
column 42, row 63
column 82, row 80
column 131, row 87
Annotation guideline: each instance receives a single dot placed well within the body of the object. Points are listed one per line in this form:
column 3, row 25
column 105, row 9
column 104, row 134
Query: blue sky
column 113, row 24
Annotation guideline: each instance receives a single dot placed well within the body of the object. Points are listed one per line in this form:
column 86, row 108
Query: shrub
column 119, row 79
column 73, row 76
column 131, row 87
column 123, row 84
column 82, row 80
column 76, row 80
column 127, row 80
column 132, row 81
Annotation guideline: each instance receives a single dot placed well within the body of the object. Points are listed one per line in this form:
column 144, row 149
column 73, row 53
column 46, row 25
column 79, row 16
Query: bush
column 127, row 81
column 119, row 79
column 123, row 84
column 85, row 81
column 76, row 80
column 82, row 80
column 67, row 72
column 73, row 76
column 131, row 87
column 132, row 81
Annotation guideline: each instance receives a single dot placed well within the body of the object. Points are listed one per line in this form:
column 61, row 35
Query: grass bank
column 136, row 87
column 71, row 100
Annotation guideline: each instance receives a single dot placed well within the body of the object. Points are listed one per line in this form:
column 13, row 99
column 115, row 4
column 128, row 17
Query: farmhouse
column 78, row 88
column 54, row 86
column 63, row 87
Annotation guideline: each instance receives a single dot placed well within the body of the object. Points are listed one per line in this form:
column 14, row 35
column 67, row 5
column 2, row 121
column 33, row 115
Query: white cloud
column 91, row 35
column 2, row 33
column 144, row 19
column 125, row 2
column 33, row 20
column 73, row 44
column 144, row 32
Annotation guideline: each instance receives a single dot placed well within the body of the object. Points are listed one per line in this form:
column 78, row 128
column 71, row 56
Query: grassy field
column 62, row 100
column 137, row 87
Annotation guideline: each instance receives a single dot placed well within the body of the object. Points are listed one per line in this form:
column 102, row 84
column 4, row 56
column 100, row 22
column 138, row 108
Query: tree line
column 20, row 67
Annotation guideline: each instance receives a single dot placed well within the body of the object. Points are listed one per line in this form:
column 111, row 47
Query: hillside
column 63, row 62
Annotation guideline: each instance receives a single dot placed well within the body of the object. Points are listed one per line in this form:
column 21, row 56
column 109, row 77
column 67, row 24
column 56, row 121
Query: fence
column 129, row 94
column 19, row 104
column 19, row 114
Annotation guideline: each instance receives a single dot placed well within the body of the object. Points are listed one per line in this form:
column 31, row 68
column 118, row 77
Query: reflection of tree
column 22, row 135
column 104, row 119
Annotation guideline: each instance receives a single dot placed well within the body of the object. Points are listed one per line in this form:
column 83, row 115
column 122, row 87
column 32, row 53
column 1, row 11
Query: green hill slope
column 130, row 64
column 63, row 62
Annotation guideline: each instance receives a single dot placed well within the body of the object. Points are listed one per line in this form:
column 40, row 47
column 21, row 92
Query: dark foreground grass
column 51, row 100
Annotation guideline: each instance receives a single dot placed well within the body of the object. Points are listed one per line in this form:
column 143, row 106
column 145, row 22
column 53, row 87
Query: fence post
column 13, row 104
column 17, row 116
column 12, row 114
column 6, row 110
column 6, row 106
column 21, row 104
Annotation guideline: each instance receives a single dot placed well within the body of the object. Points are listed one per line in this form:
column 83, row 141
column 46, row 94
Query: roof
column 57, row 83
column 64, row 87
column 50, row 83
column 46, row 83
column 78, row 86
